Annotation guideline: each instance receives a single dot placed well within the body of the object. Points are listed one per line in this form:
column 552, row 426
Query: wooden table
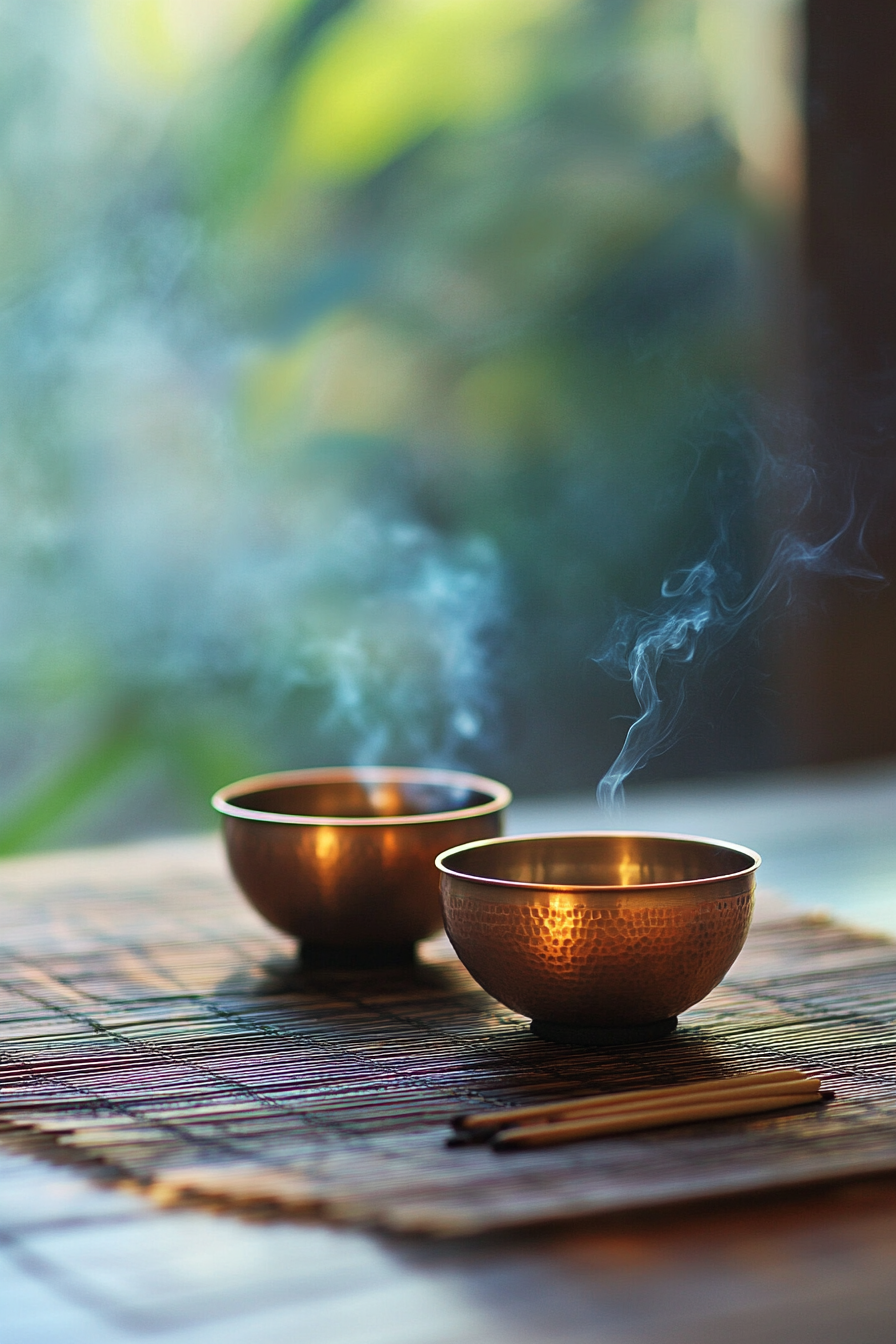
column 80, row 1261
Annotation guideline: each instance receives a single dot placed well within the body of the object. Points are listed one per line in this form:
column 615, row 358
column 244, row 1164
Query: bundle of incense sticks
column 651, row 1108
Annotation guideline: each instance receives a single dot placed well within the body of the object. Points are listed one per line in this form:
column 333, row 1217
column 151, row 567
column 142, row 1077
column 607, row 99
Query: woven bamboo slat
column 149, row 1023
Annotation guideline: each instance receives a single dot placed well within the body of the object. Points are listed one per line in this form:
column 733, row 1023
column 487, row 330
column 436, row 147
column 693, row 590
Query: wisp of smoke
column 703, row 608
column 153, row 554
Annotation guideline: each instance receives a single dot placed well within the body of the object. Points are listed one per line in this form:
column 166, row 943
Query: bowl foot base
column 345, row 957
column 563, row 1033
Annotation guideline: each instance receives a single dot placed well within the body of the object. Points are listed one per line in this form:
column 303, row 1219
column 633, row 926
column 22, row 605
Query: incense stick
column 627, row 1121
column 487, row 1122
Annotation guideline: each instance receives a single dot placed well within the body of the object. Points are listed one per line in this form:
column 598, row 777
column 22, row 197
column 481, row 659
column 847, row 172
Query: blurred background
column 362, row 360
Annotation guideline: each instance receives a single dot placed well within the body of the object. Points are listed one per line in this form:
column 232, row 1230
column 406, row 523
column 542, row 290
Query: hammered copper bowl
column 343, row 858
column 599, row 937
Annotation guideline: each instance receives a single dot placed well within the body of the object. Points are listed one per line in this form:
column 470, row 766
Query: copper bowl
column 343, row 858
column 599, row 937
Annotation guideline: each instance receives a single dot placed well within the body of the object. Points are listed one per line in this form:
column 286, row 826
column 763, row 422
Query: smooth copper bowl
column 599, row 937
column 343, row 858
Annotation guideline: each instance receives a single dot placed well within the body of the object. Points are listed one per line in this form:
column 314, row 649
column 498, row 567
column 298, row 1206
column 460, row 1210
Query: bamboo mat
column 148, row 1021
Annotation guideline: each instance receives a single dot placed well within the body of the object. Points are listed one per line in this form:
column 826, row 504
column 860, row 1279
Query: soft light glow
column 394, row 70
column 326, row 845
column 168, row 42
column 750, row 49
column 629, row 872
column 559, row 923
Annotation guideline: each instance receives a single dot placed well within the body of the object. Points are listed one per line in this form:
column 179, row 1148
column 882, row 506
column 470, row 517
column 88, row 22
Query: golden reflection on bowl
column 598, row 936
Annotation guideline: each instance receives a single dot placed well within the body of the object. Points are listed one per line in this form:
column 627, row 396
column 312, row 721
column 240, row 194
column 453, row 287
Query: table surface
column 80, row 1261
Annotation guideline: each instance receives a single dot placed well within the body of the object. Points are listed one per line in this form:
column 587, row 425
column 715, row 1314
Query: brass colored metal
column 343, row 858
column 593, row 932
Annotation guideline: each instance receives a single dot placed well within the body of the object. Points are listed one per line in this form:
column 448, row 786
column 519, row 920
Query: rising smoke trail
column 703, row 609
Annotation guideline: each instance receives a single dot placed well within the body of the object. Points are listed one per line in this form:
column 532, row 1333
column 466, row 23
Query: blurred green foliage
column 359, row 355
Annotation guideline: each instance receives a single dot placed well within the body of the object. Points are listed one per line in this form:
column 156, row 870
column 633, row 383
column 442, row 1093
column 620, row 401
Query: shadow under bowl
column 343, row 858
column 600, row 937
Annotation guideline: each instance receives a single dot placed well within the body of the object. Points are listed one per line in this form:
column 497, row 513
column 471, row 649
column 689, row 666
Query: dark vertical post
column 843, row 663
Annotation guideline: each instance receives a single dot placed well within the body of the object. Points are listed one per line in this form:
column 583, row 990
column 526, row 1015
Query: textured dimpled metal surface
column 567, row 962
column 623, row 953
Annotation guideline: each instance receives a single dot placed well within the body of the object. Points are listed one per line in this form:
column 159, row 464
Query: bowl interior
column 601, row 859
column 354, row 798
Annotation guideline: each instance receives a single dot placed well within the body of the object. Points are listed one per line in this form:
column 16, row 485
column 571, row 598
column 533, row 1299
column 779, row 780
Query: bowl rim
column 754, row 860
column 222, row 800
